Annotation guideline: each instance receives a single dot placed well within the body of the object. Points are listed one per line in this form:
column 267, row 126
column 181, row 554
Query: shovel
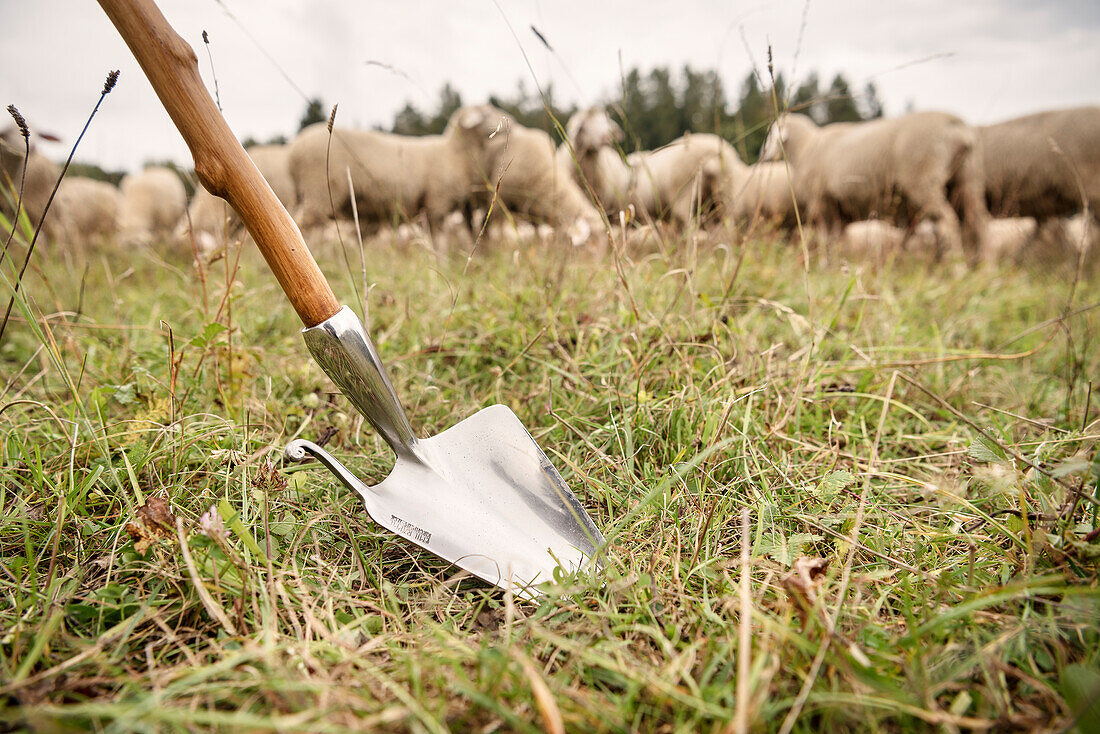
column 482, row 494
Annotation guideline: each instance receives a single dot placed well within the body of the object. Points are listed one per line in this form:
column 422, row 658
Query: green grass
column 922, row 429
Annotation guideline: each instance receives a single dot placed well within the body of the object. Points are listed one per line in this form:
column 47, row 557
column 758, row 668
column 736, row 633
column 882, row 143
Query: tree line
column 653, row 108
column 660, row 105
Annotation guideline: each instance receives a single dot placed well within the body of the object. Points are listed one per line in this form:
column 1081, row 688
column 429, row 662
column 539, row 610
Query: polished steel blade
column 481, row 494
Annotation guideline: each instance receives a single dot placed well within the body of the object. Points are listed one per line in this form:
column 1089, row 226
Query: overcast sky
column 985, row 60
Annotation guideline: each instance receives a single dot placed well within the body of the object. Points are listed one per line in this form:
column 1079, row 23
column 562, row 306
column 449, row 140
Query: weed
column 936, row 450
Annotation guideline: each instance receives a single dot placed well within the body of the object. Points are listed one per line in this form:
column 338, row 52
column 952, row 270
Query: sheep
column 1058, row 242
column 914, row 168
column 870, row 240
column 681, row 178
column 525, row 174
column 1007, row 237
column 41, row 177
column 212, row 220
column 87, row 209
column 670, row 183
column 1080, row 233
column 394, row 177
column 153, row 201
column 594, row 139
column 873, row 240
column 1043, row 165
column 762, row 193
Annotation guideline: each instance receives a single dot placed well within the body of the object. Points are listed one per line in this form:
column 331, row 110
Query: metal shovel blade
column 481, row 494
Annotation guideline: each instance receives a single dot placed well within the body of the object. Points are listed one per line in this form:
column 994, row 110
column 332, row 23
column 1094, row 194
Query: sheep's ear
column 572, row 127
column 468, row 119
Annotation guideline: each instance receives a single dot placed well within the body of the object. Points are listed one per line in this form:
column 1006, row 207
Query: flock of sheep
column 925, row 177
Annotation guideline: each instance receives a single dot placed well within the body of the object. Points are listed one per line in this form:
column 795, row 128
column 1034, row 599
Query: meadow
column 838, row 495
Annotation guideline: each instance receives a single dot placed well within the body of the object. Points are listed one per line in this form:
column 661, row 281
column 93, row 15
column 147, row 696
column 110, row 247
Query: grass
column 928, row 432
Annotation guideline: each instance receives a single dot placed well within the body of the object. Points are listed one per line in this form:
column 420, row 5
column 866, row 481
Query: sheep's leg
column 928, row 199
column 971, row 208
column 947, row 228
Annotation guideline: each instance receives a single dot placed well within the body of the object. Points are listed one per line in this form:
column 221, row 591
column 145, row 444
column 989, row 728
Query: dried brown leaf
column 152, row 522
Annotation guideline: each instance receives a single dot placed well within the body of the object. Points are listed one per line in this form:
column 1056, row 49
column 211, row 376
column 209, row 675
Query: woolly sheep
column 87, row 209
column 672, row 182
column 681, row 178
column 41, row 176
column 762, row 193
column 1007, row 237
column 905, row 169
column 524, row 171
column 213, row 221
column 1037, row 165
column 593, row 144
column 153, row 200
column 872, row 240
column 395, row 177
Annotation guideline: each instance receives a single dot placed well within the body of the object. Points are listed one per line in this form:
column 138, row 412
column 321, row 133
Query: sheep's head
column 477, row 123
column 12, row 144
column 787, row 130
column 592, row 129
column 777, row 134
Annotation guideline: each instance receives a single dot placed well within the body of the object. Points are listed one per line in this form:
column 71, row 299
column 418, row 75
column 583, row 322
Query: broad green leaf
column 982, row 449
column 831, row 484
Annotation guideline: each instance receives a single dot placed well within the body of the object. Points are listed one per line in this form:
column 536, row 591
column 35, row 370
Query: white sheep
column 213, row 221
column 87, row 210
column 910, row 169
column 680, row 180
column 153, row 200
column 41, row 177
column 1006, row 238
column 592, row 159
column 762, row 193
column 874, row 240
column 523, row 171
column 674, row 182
column 395, row 177
column 1043, row 165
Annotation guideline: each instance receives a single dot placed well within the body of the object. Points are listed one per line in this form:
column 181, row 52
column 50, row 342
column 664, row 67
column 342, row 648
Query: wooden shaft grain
column 221, row 164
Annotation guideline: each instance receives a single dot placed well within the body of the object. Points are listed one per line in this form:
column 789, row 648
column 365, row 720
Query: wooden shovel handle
column 221, row 164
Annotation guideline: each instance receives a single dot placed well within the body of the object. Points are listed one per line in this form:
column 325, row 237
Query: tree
column 871, row 106
column 409, row 121
column 663, row 123
column 703, row 101
column 632, row 106
column 755, row 113
column 807, row 98
column 315, row 112
column 839, row 104
column 534, row 109
column 91, row 170
column 449, row 101
column 251, row 141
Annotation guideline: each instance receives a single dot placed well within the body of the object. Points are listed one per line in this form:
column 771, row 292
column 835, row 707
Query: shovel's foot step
column 299, row 450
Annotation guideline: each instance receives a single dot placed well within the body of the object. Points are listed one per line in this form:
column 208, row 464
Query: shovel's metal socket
column 345, row 352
